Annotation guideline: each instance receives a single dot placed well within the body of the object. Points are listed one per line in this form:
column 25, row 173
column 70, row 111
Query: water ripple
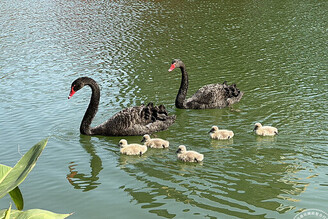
column 273, row 52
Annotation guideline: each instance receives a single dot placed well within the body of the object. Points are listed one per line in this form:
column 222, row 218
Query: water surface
column 276, row 52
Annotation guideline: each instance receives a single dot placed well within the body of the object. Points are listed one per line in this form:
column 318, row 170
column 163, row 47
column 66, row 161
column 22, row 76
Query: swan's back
column 214, row 96
column 138, row 120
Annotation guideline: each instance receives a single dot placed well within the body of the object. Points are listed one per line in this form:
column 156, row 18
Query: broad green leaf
column 33, row 214
column 18, row 173
column 17, row 197
column 4, row 170
column 15, row 194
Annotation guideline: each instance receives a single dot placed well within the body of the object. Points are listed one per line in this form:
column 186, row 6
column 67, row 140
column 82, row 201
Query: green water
column 275, row 51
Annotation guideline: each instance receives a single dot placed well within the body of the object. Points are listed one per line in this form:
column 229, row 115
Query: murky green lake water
column 275, row 51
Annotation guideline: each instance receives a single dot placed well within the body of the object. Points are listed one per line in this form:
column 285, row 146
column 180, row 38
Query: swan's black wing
column 138, row 120
column 214, row 96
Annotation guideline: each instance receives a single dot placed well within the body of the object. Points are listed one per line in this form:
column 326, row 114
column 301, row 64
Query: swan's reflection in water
column 125, row 161
column 221, row 143
column 83, row 181
column 266, row 139
column 240, row 181
column 131, row 159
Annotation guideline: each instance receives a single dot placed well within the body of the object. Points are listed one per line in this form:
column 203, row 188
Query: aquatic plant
column 11, row 178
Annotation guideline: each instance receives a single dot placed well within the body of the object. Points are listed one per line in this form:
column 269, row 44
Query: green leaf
column 32, row 214
column 18, row 173
column 17, row 197
column 4, row 170
column 15, row 194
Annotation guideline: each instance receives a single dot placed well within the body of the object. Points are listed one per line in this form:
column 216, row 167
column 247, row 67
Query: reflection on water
column 266, row 140
column 125, row 159
column 240, row 193
column 80, row 180
column 222, row 143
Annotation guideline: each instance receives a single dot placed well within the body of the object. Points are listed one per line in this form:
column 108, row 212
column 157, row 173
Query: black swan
column 207, row 97
column 138, row 120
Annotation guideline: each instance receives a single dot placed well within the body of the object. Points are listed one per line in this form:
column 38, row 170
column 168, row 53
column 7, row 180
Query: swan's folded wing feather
column 206, row 95
column 214, row 96
column 138, row 120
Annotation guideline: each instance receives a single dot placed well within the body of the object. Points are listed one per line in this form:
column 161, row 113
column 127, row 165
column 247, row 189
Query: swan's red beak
column 71, row 93
column 172, row 67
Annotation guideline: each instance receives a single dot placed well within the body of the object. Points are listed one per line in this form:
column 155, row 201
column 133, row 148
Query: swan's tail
column 156, row 112
column 232, row 90
column 233, row 94
column 160, row 120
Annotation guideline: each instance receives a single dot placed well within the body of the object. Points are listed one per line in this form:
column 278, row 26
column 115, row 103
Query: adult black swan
column 207, row 97
column 138, row 120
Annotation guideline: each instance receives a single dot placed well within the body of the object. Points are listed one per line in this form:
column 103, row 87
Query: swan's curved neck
column 92, row 108
column 183, row 88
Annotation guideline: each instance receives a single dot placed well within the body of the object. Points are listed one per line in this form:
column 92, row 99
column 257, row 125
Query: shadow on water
column 86, row 182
